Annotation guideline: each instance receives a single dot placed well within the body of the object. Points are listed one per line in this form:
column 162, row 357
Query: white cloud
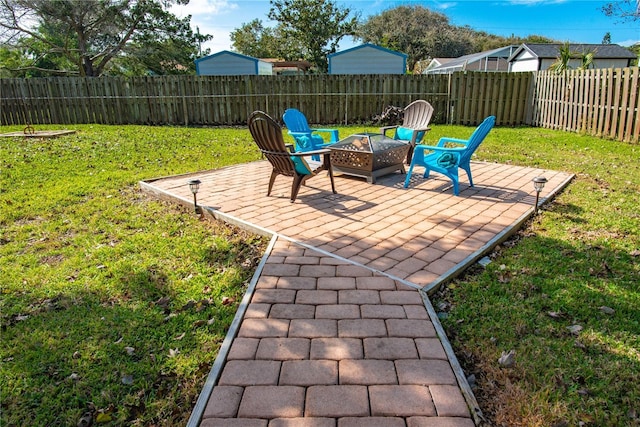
column 628, row 43
column 203, row 8
column 220, row 41
column 206, row 17
column 446, row 5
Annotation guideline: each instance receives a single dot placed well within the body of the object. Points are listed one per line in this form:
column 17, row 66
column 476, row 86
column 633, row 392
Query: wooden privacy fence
column 228, row 100
column 476, row 95
column 597, row 102
column 211, row 100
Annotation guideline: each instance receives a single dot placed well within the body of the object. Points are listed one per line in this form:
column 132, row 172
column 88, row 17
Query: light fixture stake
column 194, row 185
column 538, row 184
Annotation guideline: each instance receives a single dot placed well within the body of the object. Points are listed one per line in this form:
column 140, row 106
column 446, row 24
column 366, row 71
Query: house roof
column 550, row 50
column 443, row 61
column 228, row 52
column 368, row 45
column 453, row 63
column 436, row 62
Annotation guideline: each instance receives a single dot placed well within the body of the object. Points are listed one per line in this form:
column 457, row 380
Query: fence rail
column 598, row 102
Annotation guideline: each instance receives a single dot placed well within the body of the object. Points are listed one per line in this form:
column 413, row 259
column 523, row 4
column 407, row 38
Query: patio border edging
column 460, row 267
column 216, row 368
column 461, row 378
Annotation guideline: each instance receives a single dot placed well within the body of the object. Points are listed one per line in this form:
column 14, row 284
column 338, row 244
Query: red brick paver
column 335, row 332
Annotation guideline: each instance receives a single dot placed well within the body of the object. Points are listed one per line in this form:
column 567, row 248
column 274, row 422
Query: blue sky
column 577, row 21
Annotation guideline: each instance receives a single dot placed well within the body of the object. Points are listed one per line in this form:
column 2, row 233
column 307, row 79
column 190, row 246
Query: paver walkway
column 334, row 330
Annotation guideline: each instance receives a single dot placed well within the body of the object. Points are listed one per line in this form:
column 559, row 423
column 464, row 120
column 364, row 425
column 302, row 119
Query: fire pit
column 368, row 155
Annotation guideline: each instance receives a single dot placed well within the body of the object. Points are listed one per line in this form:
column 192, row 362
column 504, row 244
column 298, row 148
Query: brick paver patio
column 336, row 328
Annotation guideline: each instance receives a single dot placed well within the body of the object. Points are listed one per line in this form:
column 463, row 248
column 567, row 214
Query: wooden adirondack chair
column 447, row 160
column 307, row 139
column 268, row 135
column 415, row 124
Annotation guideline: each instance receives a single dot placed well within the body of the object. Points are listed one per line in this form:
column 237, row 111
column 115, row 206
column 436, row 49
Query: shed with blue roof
column 367, row 59
column 227, row 63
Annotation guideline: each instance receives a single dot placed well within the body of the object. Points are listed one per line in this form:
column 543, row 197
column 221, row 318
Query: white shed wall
column 529, row 64
column 526, row 62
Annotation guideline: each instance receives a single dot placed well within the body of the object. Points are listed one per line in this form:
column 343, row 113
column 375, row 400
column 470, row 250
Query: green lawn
column 112, row 302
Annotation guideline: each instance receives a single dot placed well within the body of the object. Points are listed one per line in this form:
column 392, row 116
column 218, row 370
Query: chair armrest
column 445, row 140
column 384, row 129
column 334, row 133
column 311, row 153
column 296, row 134
column 415, row 132
column 421, row 148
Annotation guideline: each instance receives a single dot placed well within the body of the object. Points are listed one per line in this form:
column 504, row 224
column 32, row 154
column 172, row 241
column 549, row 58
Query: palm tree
column 586, row 59
column 565, row 55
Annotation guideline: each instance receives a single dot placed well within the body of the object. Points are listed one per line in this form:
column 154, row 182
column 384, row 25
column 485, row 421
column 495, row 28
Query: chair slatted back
column 417, row 114
column 295, row 121
column 477, row 137
column 268, row 136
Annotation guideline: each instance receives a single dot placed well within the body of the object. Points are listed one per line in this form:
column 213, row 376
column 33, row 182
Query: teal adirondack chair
column 305, row 137
column 415, row 124
column 447, row 160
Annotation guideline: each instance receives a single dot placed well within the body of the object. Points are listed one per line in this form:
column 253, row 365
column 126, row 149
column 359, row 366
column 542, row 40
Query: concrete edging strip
column 469, row 397
column 499, row 238
column 218, row 364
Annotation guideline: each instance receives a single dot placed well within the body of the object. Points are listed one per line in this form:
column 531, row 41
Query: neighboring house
column 534, row 57
column 490, row 60
column 436, row 62
column 227, row 63
column 287, row 68
column 367, row 59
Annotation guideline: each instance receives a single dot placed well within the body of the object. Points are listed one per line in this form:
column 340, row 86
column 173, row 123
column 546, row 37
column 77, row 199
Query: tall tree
column 92, row 34
column 417, row 31
column 424, row 34
column 625, row 10
column 254, row 39
column 317, row 25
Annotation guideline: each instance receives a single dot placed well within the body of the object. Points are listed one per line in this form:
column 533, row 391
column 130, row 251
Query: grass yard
column 114, row 304
column 564, row 293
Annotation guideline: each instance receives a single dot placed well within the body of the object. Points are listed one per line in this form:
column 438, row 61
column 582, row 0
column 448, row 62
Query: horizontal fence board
column 596, row 102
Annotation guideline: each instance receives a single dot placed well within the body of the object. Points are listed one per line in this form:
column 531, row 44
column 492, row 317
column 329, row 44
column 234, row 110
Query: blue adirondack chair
column 306, row 137
column 447, row 160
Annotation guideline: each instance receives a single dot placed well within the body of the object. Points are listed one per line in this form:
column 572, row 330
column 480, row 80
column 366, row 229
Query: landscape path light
column 538, row 184
column 194, row 186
